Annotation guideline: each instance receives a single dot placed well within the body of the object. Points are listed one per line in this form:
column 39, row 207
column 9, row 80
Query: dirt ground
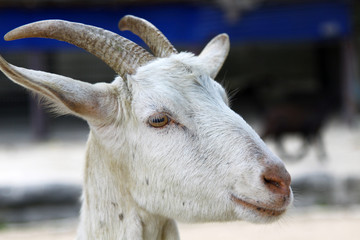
column 307, row 224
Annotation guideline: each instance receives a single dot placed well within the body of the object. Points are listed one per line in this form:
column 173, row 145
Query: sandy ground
column 326, row 224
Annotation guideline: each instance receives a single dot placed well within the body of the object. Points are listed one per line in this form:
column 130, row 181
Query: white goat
column 163, row 142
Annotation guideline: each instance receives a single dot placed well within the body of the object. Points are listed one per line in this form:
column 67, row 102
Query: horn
column 121, row 54
column 157, row 42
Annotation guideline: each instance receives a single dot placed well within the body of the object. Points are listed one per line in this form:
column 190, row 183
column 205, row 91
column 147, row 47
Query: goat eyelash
column 160, row 120
column 156, row 121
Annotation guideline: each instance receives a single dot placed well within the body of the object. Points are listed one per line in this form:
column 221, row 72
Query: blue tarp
column 196, row 24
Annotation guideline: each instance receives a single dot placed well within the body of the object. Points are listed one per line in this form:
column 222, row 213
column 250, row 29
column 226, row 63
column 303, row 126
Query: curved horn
column 158, row 43
column 121, row 54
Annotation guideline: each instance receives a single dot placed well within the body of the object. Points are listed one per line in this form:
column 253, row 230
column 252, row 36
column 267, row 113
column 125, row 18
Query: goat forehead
column 179, row 78
column 183, row 99
column 177, row 70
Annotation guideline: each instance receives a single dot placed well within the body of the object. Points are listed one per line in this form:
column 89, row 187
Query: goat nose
column 277, row 179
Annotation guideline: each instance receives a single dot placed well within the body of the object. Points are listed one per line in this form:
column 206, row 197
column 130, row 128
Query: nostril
column 273, row 183
column 277, row 182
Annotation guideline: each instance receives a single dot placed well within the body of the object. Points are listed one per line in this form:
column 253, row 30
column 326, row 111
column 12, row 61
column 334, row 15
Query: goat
column 163, row 142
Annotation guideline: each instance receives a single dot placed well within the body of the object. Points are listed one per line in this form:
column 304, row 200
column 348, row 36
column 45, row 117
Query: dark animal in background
column 303, row 120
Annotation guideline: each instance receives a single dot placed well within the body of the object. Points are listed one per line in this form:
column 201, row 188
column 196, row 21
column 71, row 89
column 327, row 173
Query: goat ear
column 68, row 95
column 215, row 53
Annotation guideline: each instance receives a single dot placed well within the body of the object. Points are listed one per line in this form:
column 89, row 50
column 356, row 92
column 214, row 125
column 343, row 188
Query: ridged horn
column 157, row 42
column 121, row 54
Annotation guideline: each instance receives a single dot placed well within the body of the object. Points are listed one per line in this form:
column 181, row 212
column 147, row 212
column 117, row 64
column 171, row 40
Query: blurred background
column 292, row 73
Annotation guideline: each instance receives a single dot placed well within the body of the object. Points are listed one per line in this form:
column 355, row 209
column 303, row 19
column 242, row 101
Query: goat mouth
column 262, row 210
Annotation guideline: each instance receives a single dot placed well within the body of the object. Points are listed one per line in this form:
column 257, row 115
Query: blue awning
column 195, row 24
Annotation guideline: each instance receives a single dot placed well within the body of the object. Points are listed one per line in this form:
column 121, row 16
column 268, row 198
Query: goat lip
column 263, row 210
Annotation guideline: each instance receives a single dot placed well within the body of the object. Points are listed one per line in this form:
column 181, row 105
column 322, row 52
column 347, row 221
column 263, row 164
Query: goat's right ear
column 68, row 95
column 214, row 54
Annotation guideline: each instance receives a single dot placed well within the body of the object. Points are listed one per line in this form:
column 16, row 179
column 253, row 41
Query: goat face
column 202, row 162
column 183, row 153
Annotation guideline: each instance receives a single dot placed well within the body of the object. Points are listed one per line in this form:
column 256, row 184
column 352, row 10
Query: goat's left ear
column 67, row 95
column 215, row 53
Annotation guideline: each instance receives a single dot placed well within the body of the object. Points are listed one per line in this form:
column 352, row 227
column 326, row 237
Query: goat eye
column 159, row 120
